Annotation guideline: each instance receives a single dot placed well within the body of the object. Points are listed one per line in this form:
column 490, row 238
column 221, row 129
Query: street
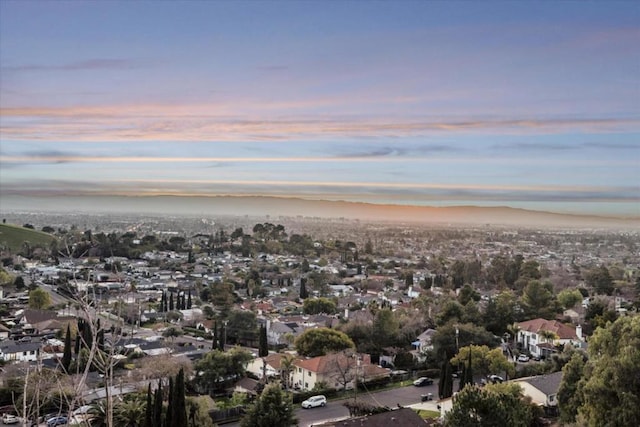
column 335, row 409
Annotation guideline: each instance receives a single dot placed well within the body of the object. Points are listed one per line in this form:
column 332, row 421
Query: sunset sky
column 522, row 104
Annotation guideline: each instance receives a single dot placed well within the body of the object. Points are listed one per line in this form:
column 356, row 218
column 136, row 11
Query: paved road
column 335, row 409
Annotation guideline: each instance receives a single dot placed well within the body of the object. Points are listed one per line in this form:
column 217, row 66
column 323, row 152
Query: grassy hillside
column 12, row 237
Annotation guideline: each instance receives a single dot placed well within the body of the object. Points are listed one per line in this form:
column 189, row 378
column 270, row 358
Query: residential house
column 335, row 371
column 543, row 390
column 247, row 386
column 271, row 365
column 423, row 341
column 4, row 332
column 531, row 336
column 23, row 352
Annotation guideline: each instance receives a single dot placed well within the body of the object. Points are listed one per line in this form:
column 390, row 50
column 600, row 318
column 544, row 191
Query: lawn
column 13, row 237
column 428, row 415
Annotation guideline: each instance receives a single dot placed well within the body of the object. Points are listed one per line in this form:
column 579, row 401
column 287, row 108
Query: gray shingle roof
column 548, row 384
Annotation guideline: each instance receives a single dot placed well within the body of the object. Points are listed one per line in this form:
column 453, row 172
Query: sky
column 438, row 103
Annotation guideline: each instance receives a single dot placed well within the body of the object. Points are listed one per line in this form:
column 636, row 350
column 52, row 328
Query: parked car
column 422, row 381
column 10, row 419
column 496, row 379
column 314, row 401
column 523, row 358
column 84, row 409
column 57, row 421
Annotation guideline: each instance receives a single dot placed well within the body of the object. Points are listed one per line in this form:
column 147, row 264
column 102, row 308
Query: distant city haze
column 358, row 109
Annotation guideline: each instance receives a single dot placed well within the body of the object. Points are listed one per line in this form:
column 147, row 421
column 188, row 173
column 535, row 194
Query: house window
column 24, row 353
column 309, row 373
column 533, row 336
column 306, row 385
column 299, row 369
column 552, row 398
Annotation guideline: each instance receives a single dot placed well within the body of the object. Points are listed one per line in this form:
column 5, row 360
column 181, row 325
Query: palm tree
column 286, row 368
column 130, row 413
column 548, row 336
column 513, row 330
column 97, row 415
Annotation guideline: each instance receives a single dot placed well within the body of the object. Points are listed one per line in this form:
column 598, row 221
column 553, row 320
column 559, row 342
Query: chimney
column 579, row 332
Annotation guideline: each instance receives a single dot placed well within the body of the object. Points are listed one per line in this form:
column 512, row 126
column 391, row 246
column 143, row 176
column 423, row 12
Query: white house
column 543, row 389
column 23, row 352
column 335, row 370
column 531, row 336
column 271, row 365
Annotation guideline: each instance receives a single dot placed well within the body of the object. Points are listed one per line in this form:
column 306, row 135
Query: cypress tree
column 148, row 412
column 447, row 390
column 443, row 372
column 76, row 348
column 157, row 406
column 469, row 370
column 168, row 420
column 463, row 378
column 214, row 344
column 303, row 288
column 79, row 336
column 189, row 300
column 66, row 356
column 179, row 412
column 263, row 350
column 171, row 306
column 87, row 335
column 222, row 339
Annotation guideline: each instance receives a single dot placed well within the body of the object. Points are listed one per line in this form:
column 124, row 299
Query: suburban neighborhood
column 243, row 311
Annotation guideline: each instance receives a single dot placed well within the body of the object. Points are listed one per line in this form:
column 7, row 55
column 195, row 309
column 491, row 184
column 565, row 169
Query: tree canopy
column 274, row 408
column 483, row 360
column 321, row 341
column 610, row 387
column 39, row 299
column 495, row 405
column 216, row 369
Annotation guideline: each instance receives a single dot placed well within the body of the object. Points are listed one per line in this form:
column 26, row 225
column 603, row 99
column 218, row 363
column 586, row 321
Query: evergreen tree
column 168, row 420
column 189, row 300
column 303, row 288
column 148, row 412
column 445, row 385
column 87, row 336
column 179, row 411
column 569, row 397
column 163, row 302
column 100, row 336
column 469, row 371
column 171, row 306
column 463, row 378
column 263, row 351
column 214, row 344
column 157, row 406
column 76, row 348
column 272, row 409
column 66, row 356
column 222, row 341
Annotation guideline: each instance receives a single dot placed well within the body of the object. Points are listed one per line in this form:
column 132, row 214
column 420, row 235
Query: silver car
column 314, row 401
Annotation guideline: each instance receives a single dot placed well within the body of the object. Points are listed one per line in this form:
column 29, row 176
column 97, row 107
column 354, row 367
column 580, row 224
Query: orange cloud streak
column 219, row 123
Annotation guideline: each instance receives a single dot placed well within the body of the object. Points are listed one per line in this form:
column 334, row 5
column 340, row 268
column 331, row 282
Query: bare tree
column 342, row 368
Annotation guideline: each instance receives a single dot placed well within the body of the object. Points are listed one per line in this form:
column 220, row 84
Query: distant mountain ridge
column 276, row 206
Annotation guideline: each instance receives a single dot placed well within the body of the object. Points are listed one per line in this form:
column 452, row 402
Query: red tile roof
column 564, row 332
